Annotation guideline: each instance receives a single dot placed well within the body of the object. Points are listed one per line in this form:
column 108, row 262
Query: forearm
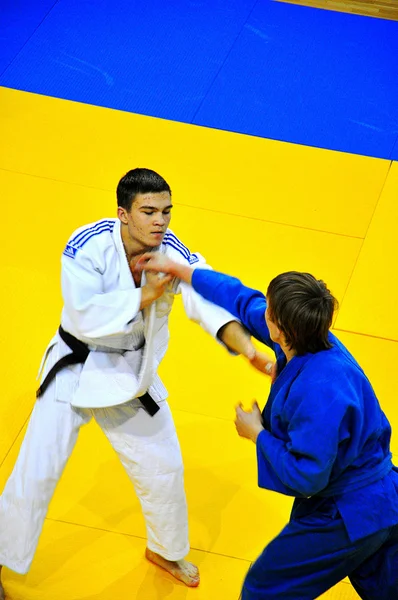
column 182, row 272
column 306, row 474
column 244, row 303
column 147, row 296
column 237, row 339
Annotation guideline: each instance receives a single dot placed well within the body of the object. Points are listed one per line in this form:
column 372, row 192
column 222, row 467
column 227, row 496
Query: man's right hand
column 155, row 286
column 264, row 364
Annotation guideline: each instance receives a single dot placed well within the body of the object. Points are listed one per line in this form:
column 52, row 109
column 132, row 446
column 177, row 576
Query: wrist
column 268, row 367
column 250, row 352
column 182, row 272
column 147, row 296
column 256, row 432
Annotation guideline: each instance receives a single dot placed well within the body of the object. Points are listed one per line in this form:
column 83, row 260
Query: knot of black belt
column 80, row 352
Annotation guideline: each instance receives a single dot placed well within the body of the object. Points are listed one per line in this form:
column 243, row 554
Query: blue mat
column 18, row 21
column 155, row 57
column 259, row 67
column 312, row 77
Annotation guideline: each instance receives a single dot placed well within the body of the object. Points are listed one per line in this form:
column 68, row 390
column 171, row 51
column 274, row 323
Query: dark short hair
column 139, row 181
column 302, row 307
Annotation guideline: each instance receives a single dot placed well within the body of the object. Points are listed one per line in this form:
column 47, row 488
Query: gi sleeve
column 209, row 316
column 94, row 313
column 244, row 303
column 300, row 462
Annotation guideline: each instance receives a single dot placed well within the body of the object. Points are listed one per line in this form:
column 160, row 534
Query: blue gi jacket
column 325, row 433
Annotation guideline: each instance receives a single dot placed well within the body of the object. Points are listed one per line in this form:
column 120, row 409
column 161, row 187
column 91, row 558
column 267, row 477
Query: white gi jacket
column 101, row 308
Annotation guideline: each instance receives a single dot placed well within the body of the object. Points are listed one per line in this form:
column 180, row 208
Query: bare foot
column 180, row 569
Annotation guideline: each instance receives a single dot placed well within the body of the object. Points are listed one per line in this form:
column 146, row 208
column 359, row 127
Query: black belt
column 80, row 352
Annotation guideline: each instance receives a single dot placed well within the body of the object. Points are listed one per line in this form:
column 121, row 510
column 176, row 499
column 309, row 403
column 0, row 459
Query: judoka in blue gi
column 321, row 438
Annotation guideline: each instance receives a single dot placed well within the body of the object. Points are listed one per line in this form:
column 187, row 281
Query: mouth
column 158, row 233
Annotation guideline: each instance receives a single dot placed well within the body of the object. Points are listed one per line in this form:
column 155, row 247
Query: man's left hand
column 249, row 424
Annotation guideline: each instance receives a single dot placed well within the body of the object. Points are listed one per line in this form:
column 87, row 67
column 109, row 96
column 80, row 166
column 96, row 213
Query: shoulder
column 177, row 249
column 98, row 233
column 334, row 369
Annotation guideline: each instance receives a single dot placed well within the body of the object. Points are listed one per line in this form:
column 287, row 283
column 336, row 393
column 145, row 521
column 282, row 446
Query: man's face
column 148, row 218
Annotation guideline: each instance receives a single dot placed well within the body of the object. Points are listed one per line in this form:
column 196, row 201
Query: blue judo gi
column 327, row 443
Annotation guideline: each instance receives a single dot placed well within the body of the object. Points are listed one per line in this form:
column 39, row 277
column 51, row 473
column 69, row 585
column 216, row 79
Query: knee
column 167, row 459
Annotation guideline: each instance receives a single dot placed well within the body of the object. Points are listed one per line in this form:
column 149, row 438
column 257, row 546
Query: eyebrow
column 148, row 207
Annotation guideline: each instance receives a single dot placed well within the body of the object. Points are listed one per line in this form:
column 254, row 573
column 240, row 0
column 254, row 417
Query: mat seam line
column 26, row 42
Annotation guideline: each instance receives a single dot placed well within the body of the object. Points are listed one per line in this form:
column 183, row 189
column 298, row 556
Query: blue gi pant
column 313, row 553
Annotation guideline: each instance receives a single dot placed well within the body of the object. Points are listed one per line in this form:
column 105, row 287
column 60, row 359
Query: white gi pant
column 147, row 447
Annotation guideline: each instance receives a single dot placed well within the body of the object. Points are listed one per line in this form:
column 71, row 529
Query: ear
column 122, row 214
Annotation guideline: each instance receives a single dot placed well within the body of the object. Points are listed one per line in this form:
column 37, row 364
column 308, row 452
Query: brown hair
column 302, row 307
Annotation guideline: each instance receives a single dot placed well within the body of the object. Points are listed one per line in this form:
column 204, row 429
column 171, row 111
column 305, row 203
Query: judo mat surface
column 321, row 196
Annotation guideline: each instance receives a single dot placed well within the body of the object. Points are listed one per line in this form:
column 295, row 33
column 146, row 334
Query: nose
column 159, row 219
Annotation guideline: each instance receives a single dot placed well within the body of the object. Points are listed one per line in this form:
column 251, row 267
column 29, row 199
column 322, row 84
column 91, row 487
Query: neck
column 287, row 352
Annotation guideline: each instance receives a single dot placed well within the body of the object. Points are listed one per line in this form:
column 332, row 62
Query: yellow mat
column 371, row 303
column 253, row 208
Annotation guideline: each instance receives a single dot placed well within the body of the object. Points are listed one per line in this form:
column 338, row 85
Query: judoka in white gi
column 116, row 325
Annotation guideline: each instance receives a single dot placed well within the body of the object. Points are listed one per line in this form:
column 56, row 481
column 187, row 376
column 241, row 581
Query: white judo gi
column 101, row 308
